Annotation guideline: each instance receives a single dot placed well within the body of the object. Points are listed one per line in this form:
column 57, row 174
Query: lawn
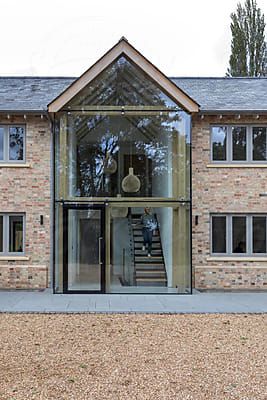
column 129, row 356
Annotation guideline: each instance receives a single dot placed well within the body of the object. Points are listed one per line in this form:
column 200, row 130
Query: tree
column 248, row 46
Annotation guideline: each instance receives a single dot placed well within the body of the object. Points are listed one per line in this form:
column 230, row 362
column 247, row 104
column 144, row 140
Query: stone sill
column 14, row 258
column 14, row 165
column 233, row 267
column 236, row 165
column 244, row 259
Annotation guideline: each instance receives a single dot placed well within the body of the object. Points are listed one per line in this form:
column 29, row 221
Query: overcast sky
column 65, row 37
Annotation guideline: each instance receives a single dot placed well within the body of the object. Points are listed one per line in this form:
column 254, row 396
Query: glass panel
column 1, row 233
column 259, row 144
column 239, row 233
column 122, row 84
column 84, row 239
column 239, row 142
column 150, row 250
column 1, row 143
column 218, row 234
column 131, row 155
column 219, row 138
column 16, row 143
column 16, row 234
column 259, row 234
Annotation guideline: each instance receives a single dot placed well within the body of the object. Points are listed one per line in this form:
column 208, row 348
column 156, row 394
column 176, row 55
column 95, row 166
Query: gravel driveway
column 90, row 356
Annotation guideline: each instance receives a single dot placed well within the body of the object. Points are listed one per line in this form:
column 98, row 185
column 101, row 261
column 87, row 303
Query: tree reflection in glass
column 259, row 143
column 106, row 146
column 239, row 140
column 16, row 139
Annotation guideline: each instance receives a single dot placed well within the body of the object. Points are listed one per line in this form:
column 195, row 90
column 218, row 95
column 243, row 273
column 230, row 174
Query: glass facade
column 122, row 144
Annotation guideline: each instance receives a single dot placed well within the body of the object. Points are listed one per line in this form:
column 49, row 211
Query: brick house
column 81, row 158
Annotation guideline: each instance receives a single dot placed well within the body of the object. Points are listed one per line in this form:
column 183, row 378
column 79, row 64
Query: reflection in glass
column 239, row 142
column 1, row 143
column 239, row 232
column 84, row 238
column 259, row 234
column 218, row 234
column 103, row 148
column 259, row 144
column 1, row 233
column 219, row 142
column 16, row 143
column 16, row 234
column 122, row 84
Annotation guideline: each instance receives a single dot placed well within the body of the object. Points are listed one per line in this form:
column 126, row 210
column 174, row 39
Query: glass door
column 84, row 249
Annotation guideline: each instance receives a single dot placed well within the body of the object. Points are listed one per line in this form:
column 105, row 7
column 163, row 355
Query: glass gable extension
column 122, row 187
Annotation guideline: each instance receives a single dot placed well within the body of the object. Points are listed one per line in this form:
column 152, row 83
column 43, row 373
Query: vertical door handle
column 99, row 250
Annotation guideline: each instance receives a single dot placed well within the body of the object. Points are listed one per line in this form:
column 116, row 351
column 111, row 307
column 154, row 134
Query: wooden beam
column 123, row 48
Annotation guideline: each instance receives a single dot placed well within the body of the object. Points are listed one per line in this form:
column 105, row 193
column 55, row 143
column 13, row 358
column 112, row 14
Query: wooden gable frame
column 123, row 47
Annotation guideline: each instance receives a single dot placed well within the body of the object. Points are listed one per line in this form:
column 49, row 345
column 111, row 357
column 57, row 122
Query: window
column 11, row 234
column 238, row 144
column 238, row 234
column 12, row 143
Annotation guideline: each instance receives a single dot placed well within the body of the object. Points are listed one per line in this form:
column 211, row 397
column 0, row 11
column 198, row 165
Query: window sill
column 233, row 258
column 236, row 165
column 14, row 258
column 14, row 165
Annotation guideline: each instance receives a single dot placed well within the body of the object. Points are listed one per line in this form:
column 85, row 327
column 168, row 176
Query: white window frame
column 229, row 144
column 229, row 235
column 6, row 228
column 6, row 148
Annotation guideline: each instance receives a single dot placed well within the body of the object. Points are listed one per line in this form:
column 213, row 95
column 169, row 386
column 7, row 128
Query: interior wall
column 164, row 216
column 120, row 241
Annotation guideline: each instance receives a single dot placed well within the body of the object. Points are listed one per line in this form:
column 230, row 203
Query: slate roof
column 30, row 93
column 213, row 94
column 226, row 94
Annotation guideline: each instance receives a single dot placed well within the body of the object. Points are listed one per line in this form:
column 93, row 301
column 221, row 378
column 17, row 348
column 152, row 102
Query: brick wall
column 27, row 190
column 228, row 190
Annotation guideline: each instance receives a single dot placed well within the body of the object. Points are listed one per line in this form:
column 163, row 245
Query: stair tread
column 149, row 271
column 151, row 279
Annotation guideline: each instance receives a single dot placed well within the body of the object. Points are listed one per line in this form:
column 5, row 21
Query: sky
column 65, row 37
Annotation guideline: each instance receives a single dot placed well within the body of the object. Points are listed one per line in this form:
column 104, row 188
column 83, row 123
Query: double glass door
column 84, row 249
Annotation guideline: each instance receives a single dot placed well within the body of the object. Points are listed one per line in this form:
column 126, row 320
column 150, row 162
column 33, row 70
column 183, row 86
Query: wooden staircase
column 149, row 271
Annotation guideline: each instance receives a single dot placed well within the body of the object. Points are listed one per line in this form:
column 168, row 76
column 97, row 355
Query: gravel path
column 125, row 357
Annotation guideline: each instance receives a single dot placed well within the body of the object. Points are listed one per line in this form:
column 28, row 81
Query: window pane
column 122, row 83
column 16, row 233
column 218, row 143
column 259, row 234
column 239, row 141
column 133, row 156
column 1, row 143
column 259, row 144
column 16, row 143
column 219, row 234
column 1, row 233
column 239, row 235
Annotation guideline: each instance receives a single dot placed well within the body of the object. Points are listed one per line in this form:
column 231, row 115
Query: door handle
column 99, row 250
